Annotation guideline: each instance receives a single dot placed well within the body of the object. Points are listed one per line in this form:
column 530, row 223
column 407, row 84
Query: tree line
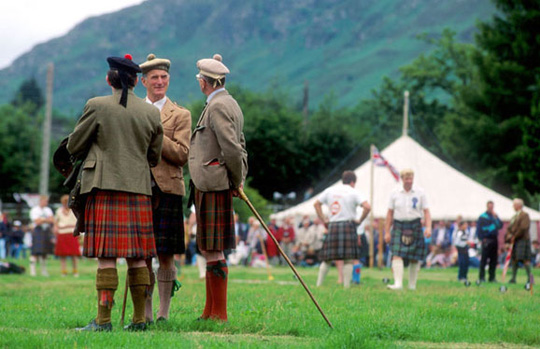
column 476, row 105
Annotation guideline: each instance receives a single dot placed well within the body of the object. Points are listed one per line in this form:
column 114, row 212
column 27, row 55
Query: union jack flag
column 379, row 160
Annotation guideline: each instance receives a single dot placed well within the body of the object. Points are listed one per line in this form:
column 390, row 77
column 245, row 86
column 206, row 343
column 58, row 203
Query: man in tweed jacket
column 168, row 183
column 218, row 167
column 518, row 234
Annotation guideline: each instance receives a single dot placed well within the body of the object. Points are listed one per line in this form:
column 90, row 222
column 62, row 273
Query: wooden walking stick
column 244, row 197
column 124, row 302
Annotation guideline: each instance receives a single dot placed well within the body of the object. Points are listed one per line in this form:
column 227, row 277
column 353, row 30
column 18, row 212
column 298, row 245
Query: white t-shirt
column 408, row 206
column 342, row 201
column 41, row 212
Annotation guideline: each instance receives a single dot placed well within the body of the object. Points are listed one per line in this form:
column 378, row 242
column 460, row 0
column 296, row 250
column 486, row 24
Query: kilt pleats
column 118, row 224
column 215, row 220
column 408, row 240
column 168, row 223
column 341, row 242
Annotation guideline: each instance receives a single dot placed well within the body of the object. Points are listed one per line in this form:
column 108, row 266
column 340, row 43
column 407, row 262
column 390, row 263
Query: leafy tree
column 29, row 92
column 19, row 150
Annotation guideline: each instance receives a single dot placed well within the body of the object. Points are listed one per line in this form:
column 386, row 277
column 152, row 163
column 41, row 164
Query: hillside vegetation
column 343, row 48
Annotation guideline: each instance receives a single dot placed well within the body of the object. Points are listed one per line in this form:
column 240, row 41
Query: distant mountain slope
column 343, row 47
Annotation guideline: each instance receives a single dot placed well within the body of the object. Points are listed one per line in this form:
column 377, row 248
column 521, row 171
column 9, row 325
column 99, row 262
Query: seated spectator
column 16, row 239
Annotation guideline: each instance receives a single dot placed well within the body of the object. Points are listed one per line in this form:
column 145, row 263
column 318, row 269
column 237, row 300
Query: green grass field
column 40, row 312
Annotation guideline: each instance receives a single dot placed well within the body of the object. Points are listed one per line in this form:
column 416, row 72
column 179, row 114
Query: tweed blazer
column 218, row 156
column 168, row 173
column 519, row 228
column 123, row 143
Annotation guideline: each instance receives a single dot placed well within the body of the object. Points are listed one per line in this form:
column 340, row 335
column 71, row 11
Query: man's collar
column 159, row 104
column 211, row 95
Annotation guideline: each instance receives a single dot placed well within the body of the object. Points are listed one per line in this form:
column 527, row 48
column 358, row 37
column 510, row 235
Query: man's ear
column 107, row 79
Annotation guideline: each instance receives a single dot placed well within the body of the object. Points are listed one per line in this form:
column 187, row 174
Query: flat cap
column 213, row 67
column 152, row 62
column 124, row 64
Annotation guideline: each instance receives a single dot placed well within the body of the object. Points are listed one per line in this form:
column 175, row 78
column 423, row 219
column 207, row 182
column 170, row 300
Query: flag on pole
column 379, row 160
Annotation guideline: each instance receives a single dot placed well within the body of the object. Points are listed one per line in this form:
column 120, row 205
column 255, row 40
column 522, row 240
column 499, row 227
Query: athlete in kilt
column 518, row 234
column 218, row 167
column 123, row 136
column 167, row 184
column 405, row 210
column 342, row 242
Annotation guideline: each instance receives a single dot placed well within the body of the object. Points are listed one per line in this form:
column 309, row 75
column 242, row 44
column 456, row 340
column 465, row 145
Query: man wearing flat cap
column 218, row 167
column 122, row 136
column 168, row 183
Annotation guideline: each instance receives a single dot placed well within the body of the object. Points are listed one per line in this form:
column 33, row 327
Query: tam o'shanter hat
column 125, row 67
column 152, row 62
column 213, row 67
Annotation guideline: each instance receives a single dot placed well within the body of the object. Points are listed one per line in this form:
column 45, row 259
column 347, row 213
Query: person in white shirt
column 461, row 240
column 405, row 210
column 342, row 242
column 42, row 236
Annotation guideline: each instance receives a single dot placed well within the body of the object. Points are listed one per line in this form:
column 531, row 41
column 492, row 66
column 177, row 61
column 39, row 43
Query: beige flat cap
column 152, row 62
column 212, row 67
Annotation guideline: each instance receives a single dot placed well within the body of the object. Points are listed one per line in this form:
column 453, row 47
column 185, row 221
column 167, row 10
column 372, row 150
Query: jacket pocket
column 89, row 164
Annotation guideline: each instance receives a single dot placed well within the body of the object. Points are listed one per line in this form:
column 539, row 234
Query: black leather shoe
column 94, row 327
column 161, row 319
column 135, row 327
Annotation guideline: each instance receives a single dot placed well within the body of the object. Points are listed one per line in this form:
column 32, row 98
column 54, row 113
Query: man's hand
column 359, row 240
column 387, row 237
column 236, row 192
column 427, row 232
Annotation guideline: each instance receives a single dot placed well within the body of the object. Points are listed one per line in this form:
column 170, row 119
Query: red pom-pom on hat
column 128, row 56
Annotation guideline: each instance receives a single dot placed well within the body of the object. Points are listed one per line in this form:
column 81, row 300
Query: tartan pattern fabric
column 67, row 245
column 168, row 222
column 341, row 242
column 215, row 220
column 408, row 240
column 118, row 224
column 42, row 241
column 522, row 250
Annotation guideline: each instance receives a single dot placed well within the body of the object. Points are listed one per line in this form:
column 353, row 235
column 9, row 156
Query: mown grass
column 442, row 313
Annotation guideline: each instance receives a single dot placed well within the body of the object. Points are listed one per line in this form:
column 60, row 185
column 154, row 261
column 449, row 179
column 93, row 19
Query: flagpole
column 406, row 113
column 372, row 151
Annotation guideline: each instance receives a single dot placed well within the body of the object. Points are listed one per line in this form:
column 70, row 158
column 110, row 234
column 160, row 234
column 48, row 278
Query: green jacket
column 122, row 143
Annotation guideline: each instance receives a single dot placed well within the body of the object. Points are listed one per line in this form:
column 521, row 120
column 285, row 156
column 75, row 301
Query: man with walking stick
column 167, row 183
column 518, row 234
column 218, row 167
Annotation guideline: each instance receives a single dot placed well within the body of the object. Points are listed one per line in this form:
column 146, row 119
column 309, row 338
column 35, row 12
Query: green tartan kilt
column 522, row 250
column 408, row 240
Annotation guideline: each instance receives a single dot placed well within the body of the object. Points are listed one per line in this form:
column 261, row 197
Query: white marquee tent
column 450, row 193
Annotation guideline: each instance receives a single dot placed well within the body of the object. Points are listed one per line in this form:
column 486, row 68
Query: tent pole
column 372, row 151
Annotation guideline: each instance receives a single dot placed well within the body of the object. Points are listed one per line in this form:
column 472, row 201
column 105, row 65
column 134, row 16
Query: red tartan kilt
column 67, row 245
column 215, row 220
column 118, row 225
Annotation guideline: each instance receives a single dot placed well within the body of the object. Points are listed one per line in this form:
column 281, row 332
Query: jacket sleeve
column 225, row 128
column 176, row 150
column 154, row 149
column 522, row 229
column 81, row 137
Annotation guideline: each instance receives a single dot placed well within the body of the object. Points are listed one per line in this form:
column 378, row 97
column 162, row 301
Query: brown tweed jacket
column 218, row 156
column 168, row 174
column 519, row 229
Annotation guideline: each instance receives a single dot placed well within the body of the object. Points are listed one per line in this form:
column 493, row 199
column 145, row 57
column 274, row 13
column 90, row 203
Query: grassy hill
column 343, row 48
